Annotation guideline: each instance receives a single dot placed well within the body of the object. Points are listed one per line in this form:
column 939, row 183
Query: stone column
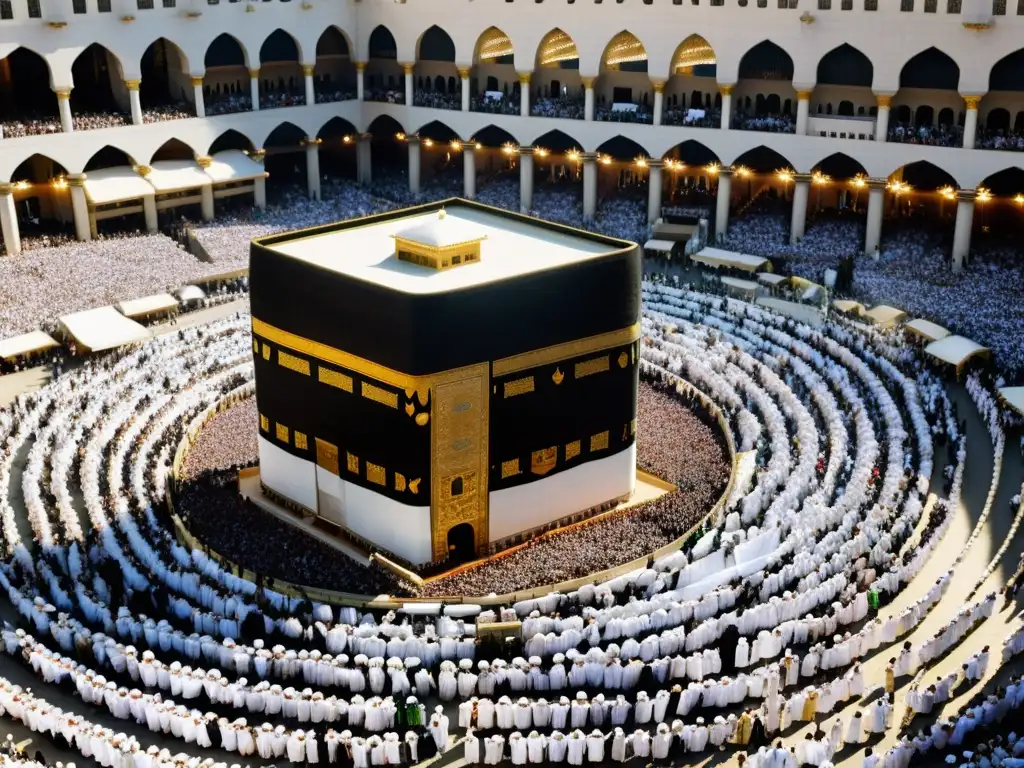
column 588, row 97
column 364, row 170
column 67, row 124
column 414, row 164
column 206, row 203
column 464, row 79
column 971, row 120
column 589, row 185
column 407, row 70
column 882, row 120
column 803, row 111
column 654, row 190
column 360, row 80
column 469, row 170
column 659, row 101
column 962, row 230
column 524, row 93
column 312, row 145
column 197, row 95
column 134, row 101
column 876, row 204
column 798, row 220
column 722, row 201
column 9, row 220
column 525, row 179
column 149, row 213
column 254, row 88
column 259, row 192
column 307, row 80
column 79, row 206
column 726, row 91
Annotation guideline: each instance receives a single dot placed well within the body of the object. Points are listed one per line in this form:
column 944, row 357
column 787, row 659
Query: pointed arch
column 333, row 42
column 173, row 149
column 626, row 52
column 845, row 65
column 557, row 49
column 694, row 56
column 385, row 125
column 493, row 136
column 839, row 166
column 280, row 46
column 163, row 63
column 337, row 127
column 382, row 43
column 225, row 51
column 557, row 141
column 931, row 68
column 762, row 159
column 108, row 157
column 997, row 120
column 94, row 71
column 1008, row 182
column 493, row 46
column 285, row 135
column 622, row 148
column 439, row 132
column 435, row 45
column 693, row 153
column 37, row 169
column 925, row 176
column 766, row 61
column 231, row 139
column 24, row 91
column 1007, row 74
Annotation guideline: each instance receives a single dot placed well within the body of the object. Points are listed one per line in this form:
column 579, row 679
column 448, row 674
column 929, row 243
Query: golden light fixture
column 743, row 171
column 556, row 47
column 1019, row 199
column 493, row 44
column 984, row 195
column 455, row 144
column 623, row 49
column 346, row 139
column 641, row 162
column 59, row 183
column 606, row 160
column 899, row 187
column 820, row 178
column 573, row 156
column 540, row 152
column 478, row 145
column 509, row 148
column 22, row 184
column 694, row 51
column 858, row 181
column 713, row 169
column 947, row 192
column 428, row 143
column 785, row 175
column 400, row 136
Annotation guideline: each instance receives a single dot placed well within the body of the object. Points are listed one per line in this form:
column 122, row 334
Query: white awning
column 813, row 293
column 147, row 305
column 886, row 315
column 421, row 609
column 846, row 305
column 927, row 329
column 233, row 165
column 26, row 343
column 956, row 350
column 1014, row 397
column 662, row 246
column 176, row 176
column 769, row 279
column 115, row 185
column 748, row 286
column 102, row 328
column 190, row 293
column 716, row 257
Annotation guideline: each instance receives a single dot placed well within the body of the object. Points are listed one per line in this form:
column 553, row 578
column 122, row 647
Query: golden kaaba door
column 458, row 455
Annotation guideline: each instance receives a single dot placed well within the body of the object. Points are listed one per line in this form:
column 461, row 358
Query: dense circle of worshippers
column 709, row 627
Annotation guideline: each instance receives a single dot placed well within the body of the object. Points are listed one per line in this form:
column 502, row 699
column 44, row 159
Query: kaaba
column 448, row 378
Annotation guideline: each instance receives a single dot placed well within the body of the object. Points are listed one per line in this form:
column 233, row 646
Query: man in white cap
column 439, row 729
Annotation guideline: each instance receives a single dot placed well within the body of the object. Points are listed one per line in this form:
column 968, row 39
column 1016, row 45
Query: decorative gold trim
column 63, row 94
column 300, row 441
column 599, row 442
column 544, row 460
column 803, row 95
column 204, row 161
column 592, row 366
column 572, row 450
column 292, row 363
column 255, row 347
column 422, row 419
column 726, row 90
column 623, row 360
column 127, row 18
column 327, row 456
column 352, row 462
column 360, row 66
column 509, row 468
column 558, row 377
column 414, row 486
column 659, row 86
column 307, row 70
column 978, row 26
column 518, row 387
column 132, row 85
column 806, row 18
column 884, row 101
column 57, row 24
column 281, row 432
column 334, row 378
column 588, row 82
column 264, row 423
column 378, row 395
column 266, row 351
column 376, row 474
column 408, row 69
column 972, row 102
column 254, row 72
column 524, row 77
column 399, row 482
column 463, row 73
column 559, row 352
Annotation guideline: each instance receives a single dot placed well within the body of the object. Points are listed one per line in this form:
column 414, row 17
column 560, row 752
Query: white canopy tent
column 926, row 329
column 716, row 257
column 115, row 185
column 1014, row 397
column 26, row 344
column 102, row 328
column 956, row 350
column 147, row 305
column 885, row 315
column 744, row 286
column 846, row 305
column 176, row 175
column 190, row 293
column 772, row 280
column 233, row 165
column 660, row 246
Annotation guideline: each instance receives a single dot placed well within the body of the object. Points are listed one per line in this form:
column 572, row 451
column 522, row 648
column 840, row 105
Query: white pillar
column 79, row 206
column 654, row 190
column 414, row 165
column 588, row 97
column 408, row 70
column 149, row 213
column 254, row 88
column 524, row 93
column 876, row 203
column 962, row 230
column 971, row 120
column 589, row 186
column 206, row 203
column 525, row 179
column 882, row 120
column 464, row 80
column 313, row 167
column 364, row 171
column 259, row 192
column 798, row 220
column 726, row 92
column 360, row 80
column 197, row 95
column 307, row 79
column 469, row 170
column 722, row 201
column 803, row 111
column 9, row 221
column 134, row 101
column 67, row 124
column 659, row 101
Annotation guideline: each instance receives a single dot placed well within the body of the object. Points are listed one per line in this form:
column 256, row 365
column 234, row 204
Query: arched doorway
column 461, row 543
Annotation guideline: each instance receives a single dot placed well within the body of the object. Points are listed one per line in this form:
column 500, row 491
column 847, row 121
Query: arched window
column 457, row 486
